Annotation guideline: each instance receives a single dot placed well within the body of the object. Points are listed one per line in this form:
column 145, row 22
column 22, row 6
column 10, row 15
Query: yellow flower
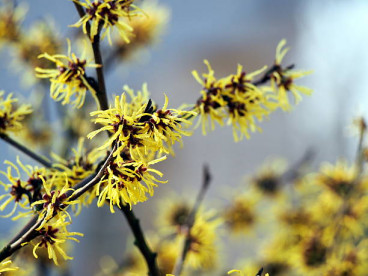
column 54, row 201
column 22, row 193
column 245, row 103
column 165, row 127
column 106, row 14
column 209, row 106
column 53, row 235
column 69, row 81
column 6, row 266
column 125, row 126
column 122, row 184
column 12, row 115
column 283, row 80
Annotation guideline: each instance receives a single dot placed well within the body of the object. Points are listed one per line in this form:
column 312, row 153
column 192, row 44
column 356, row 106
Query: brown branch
column 82, row 13
column 140, row 241
column 293, row 172
column 26, row 151
column 95, row 42
column 359, row 160
column 178, row 268
column 101, row 93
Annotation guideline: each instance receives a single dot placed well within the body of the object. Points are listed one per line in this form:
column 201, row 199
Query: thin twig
column 178, row 268
column 140, row 241
column 26, row 151
column 360, row 152
column 95, row 42
column 293, row 172
column 101, row 93
column 81, row 13
column 359, row 160
column 28, row 235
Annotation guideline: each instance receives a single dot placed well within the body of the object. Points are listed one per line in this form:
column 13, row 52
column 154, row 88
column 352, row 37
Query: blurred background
column 328, row 37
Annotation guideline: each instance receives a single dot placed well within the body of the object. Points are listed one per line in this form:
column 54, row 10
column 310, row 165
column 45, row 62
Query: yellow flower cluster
column 102, row 15
column 141, row 133
column 42, row 192
column 322, row 221
column 241, row 101
column 11, row 115
column 69, row 81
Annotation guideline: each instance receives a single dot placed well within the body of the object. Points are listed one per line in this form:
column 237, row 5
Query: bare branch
column 178, row 268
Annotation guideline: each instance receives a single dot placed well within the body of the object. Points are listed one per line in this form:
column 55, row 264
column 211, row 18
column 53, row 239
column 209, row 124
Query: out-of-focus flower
column 339, row 178
column 11, row 115
column 42, row 37
column 203, row 248
column 268, row 179
column 173, row 214
column 11, row 17
column 146, row 30
column 69, row 81
column 103, row 15
column 240, row 216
